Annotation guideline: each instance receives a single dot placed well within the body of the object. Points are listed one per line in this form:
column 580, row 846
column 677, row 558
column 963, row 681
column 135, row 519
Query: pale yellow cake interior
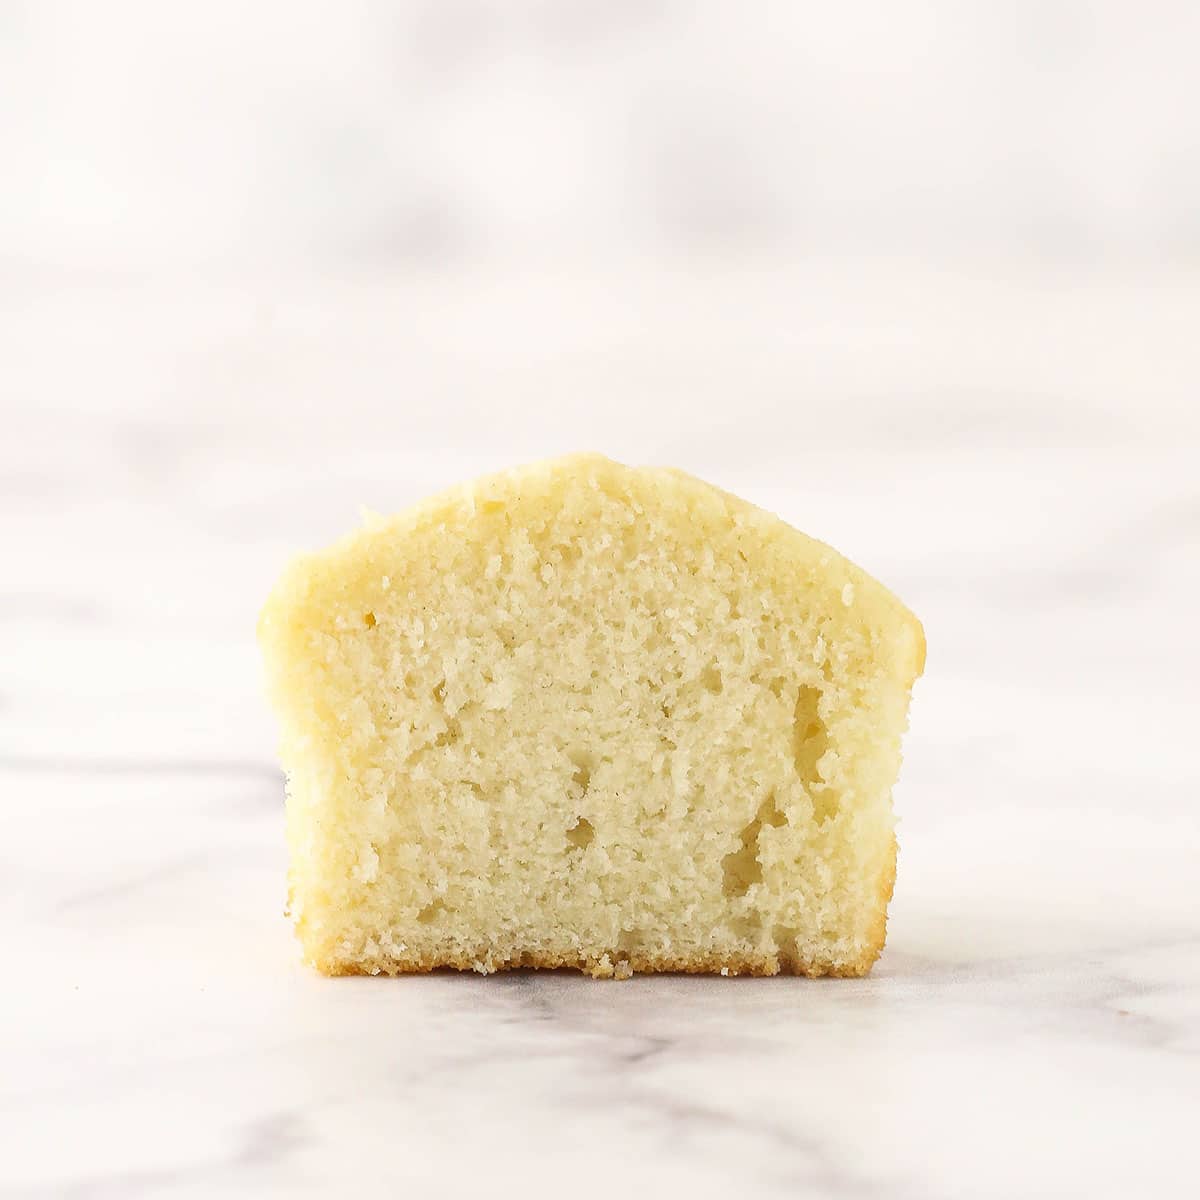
column 585, row 715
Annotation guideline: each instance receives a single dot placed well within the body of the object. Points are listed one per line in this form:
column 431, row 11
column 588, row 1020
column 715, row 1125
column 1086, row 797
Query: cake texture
column 584, row 715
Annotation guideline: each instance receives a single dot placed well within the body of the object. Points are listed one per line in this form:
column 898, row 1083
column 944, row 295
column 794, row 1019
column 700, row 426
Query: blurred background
column 922, row 277
column 139, row 136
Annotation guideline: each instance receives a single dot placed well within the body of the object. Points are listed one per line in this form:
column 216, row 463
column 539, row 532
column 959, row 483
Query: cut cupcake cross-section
column 584, row 715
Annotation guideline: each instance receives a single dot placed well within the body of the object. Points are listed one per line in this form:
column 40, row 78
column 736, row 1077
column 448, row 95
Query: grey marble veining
column 1017, row 454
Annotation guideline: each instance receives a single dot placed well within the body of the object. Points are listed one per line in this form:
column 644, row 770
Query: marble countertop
column 1016, row 453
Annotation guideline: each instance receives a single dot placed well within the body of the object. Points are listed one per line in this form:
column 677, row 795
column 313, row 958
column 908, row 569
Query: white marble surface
column 1016, row 451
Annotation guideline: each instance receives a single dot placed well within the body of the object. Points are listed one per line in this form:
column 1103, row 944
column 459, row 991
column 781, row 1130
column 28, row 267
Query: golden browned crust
column 607, row 967
column 878, row 935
